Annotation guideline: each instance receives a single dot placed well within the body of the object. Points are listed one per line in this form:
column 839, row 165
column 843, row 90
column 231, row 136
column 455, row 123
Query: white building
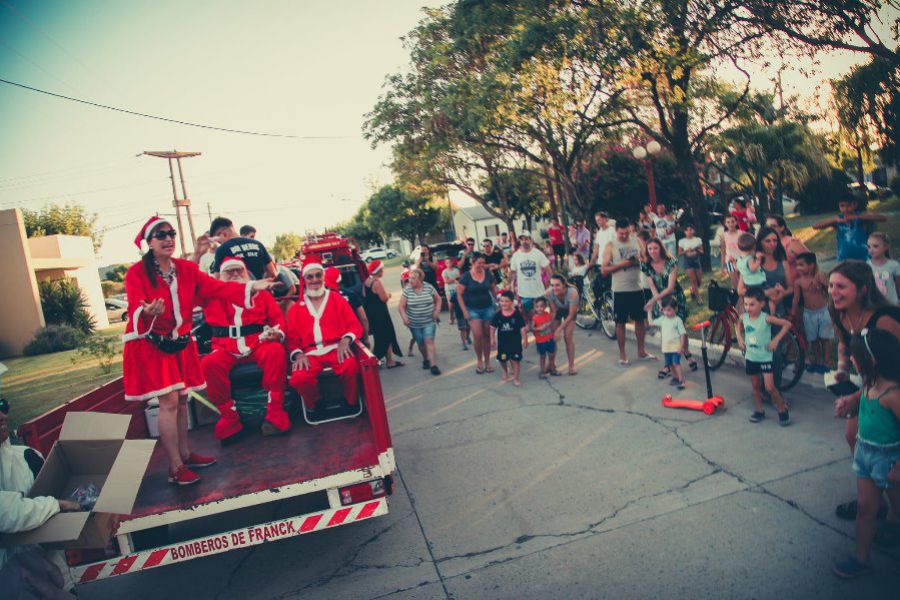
column 476, row 222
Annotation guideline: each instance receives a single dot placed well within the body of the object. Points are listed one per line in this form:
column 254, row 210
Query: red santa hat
column 147, row 230
column 231, row 262
column 312, row 266
column 375, row 266
column 332, row 278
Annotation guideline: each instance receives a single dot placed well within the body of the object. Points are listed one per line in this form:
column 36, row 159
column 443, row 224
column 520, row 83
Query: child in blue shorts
column 674, row 336
column 542, row 326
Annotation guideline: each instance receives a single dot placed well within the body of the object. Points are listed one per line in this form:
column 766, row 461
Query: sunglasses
column 161, row 235
column 313, row 276
column 4, row 406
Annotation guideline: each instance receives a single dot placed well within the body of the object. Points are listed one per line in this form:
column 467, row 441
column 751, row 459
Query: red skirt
column 148, row 372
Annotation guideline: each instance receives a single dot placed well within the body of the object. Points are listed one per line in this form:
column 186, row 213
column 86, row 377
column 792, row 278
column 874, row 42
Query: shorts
column 544, row 348
column 504, row 354
column 527, row 304
column 481, row 314
column 756, row 368
column 817, row 324
column 672, row 358
column 559, row 249
column 461, row 322
column 671, row 247
column 873, row 462
column 730, row 267
column 420, row 333
column 690, row 262
column 629, row 306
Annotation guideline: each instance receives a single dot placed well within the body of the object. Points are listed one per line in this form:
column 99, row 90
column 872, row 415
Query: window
column 491, row 230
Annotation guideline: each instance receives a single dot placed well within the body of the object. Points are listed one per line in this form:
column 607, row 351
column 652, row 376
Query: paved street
column 578, row 487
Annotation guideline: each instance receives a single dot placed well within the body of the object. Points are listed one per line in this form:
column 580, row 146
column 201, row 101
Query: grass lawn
column 823, row 242
column 35, row 384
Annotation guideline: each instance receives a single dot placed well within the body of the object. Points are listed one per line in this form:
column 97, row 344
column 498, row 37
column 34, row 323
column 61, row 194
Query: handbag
column 167, row 344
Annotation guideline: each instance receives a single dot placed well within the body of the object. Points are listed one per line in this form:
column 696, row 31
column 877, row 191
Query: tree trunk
column 861, row 174
column 687, row 170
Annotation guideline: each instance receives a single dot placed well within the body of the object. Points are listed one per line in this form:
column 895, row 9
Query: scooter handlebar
column 700, row 325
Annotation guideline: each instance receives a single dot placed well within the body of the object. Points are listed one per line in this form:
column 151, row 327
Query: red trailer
column 336, row 473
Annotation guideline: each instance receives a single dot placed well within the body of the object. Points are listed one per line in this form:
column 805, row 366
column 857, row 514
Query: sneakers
column 784, row 418
column 426, row 364
column 680, row 384
column 183, row 476
column 435, row 370
column 198, row 461
column 850, row 568
column 757, row 416
column 465, row 347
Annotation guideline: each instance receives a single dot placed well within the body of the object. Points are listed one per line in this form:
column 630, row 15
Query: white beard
column 315, row 293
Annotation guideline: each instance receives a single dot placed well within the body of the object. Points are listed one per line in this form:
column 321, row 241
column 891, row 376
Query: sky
column 301, row 67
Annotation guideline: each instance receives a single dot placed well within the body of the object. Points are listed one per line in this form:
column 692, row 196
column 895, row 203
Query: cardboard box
column 91, row 449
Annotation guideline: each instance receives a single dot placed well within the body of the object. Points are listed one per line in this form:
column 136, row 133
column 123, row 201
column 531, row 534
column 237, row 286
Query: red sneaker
column 198, row 461
column 183, row 476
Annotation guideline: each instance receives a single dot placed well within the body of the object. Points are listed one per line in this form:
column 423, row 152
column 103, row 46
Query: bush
column 54, row 338
column 895, row 185
column 111, row 288
column 64, row 303
column 823, row 193
column 104, row 348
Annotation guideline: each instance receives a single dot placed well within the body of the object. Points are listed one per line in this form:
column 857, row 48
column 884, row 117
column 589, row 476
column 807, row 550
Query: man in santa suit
column 241, row 335
column 321, row 328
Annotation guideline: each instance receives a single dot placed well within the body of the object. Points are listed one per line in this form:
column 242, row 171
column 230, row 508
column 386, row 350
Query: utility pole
column 184, row 202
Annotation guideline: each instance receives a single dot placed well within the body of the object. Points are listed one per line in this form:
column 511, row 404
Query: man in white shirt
column 606, row 231
column 527, row 268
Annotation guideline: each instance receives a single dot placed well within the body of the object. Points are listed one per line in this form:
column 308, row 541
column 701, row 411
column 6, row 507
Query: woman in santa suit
column 160, row 356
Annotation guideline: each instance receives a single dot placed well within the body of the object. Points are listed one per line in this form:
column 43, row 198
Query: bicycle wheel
column 607, row 315
column 718, row 341
column 790, row 361
column 586, row 317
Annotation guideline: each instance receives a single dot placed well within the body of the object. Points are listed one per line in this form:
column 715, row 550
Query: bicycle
column 789, row 358
column 593, row 311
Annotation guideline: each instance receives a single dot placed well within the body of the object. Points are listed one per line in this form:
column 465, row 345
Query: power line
column 176, row 121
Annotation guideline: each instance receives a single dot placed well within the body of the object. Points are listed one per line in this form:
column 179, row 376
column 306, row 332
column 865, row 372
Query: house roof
column 476, row 213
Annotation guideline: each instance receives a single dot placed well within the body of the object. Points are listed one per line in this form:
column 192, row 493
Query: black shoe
column 784, row 418
column 757, row 416
column 426, row 364
column 435, row 370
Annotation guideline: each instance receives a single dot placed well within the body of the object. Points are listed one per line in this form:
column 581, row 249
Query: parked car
column 440, row 254
column 116, row 309
column 377, row 253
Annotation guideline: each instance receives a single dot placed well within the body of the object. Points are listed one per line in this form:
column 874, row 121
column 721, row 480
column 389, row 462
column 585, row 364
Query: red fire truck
column 335, row 472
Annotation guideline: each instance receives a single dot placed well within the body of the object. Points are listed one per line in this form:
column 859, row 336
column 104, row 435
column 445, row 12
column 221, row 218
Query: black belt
column 235, row 331
column 167, row 344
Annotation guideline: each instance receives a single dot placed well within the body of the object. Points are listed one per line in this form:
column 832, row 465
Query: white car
column 377, row 253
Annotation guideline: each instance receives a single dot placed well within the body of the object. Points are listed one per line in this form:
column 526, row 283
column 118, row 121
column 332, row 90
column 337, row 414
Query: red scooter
column 712, row 403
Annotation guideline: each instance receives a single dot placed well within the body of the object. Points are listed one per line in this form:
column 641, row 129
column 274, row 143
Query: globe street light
column 646, row 155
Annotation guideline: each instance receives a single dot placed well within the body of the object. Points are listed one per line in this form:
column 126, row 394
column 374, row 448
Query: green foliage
column 102, row 348
column 520, row 193
column 823, row 192
column 54, row 338
column 392, row 211
column 117, row 273
column 895, row 185
column 286, row 246
column 111, row 288
column 71, row 219
column 64, row 303
column 358, row 229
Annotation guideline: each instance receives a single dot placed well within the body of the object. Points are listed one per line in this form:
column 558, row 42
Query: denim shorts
column 420, row 333
column 544, row 348
column 817, row 324
column 874, row 462
column 672, row 358
column 481, row 314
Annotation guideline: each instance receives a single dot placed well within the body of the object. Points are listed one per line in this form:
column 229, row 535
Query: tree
column 286, row 246
column 522, row 194
column 392, row 211
column 71, row 219
column 358, row 229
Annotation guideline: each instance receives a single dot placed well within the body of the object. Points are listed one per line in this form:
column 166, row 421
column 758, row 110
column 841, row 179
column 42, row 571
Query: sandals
column 556, row 373
column 479, row 370
column 692, row 362
column 662, row 374
column 847, row 511
column 648, row 356
column 489, row 369
column 624, row 362
column 396, row 364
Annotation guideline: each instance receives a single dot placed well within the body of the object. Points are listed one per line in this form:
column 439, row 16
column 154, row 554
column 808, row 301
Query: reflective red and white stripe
column 231, row 540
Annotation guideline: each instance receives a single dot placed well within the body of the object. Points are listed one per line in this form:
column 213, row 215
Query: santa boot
column 277, row 421
column 229, row 423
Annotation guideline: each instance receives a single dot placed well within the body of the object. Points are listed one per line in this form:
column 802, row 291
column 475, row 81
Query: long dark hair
column 781, row 223
column 663, row 251
column 875, row 352
column 765, row 232
column 860, row 274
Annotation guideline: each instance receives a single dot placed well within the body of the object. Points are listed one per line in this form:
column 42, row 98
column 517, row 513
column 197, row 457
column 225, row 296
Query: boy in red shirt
column 542, row 326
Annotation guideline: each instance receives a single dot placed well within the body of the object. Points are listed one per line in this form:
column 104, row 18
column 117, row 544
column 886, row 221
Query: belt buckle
column 234, row 331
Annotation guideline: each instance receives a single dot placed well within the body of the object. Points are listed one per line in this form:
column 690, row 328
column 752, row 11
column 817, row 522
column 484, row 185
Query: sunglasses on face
column 313, row 276
column 161, row 235
column 4, row 406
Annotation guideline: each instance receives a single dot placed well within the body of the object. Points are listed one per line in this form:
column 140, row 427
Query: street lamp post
column 646, row 155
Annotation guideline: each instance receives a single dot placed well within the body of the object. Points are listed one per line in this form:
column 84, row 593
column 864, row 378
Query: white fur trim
column 239, row 322
column 176, row 306
column 156, row 393
column 194, row 388
column 317, row 316
column 376, row 269
column 153, row 226
column 295, row 353
column 248, row 295
column 350, row 335
column 136, row 334
column 312, row 267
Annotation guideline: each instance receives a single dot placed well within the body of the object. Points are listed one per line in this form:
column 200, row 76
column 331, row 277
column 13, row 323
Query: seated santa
column 242, row 335
column 321, row 329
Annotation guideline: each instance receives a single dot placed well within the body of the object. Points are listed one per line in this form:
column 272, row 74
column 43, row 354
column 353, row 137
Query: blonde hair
column 419, row 273
column 884, row 239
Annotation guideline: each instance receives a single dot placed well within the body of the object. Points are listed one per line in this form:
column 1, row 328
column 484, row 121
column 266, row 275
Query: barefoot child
column 509, row 332
column 876, row 460
column 674, row 337
column 542, row 326
column 754, row 336
column 885, row 269
column 811, row 287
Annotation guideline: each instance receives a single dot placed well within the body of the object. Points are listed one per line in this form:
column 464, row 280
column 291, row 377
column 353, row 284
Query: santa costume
column 160, row 355
column 235, row 340
column 316, row 333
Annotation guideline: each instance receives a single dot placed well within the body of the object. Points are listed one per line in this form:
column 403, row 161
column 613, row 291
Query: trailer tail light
column 76, row 557
column 361, row 492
